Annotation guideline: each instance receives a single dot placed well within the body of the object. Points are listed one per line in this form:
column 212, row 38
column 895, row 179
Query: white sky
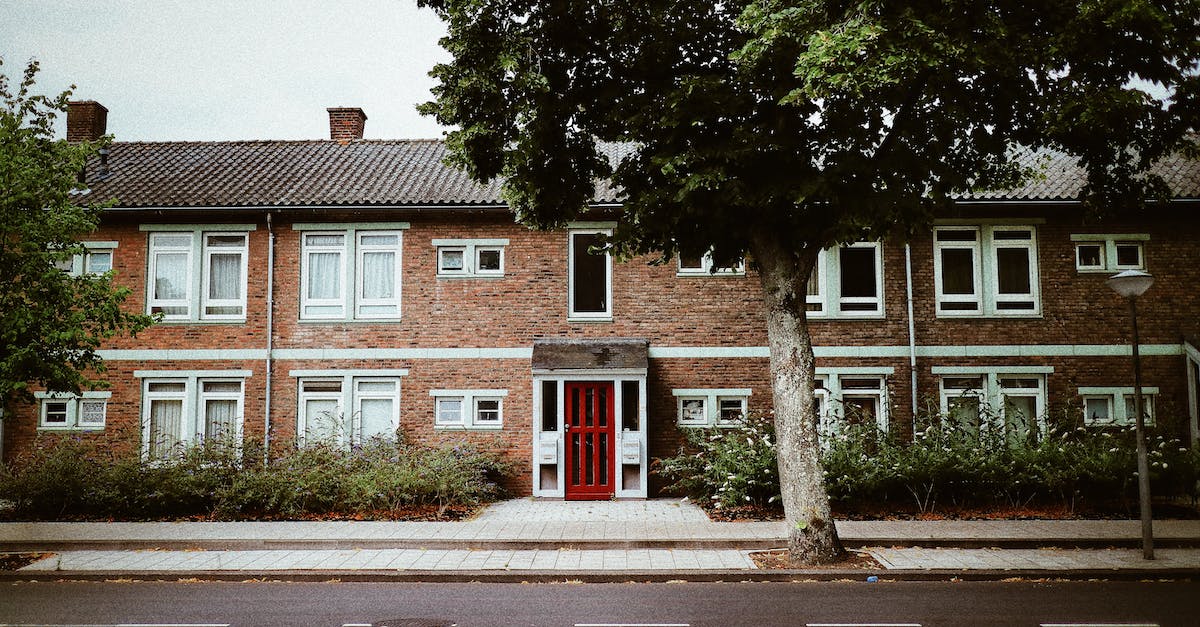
column 227, row 69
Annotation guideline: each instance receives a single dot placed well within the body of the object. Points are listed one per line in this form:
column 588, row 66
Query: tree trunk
column 784, row 273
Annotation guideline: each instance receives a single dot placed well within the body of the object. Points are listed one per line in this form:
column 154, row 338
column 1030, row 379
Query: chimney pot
column 87, row 121
column 346, row 123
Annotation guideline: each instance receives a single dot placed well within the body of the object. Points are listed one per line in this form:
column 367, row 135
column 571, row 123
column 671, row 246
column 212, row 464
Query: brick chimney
column 87, row 121
column 346, row 123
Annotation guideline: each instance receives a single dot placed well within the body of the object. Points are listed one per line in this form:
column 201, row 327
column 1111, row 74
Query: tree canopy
column 776, row 128
column 51, row 320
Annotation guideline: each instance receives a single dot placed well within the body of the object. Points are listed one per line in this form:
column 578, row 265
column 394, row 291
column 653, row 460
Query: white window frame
column 586, row 316
column 81, row 263
column 706, row 268
column 196, row 284
column 711, row 398
column 743, row 402
column 817, row 305
column 985, row 272
column 361, row 394
column 343, row 434
column 350, row 300
column 361, row 251
column 439, row 420
column 469, row 409
column 830, row 393
column 471, row 249
column 992, row 394
column 192, row 416
column 208, row 252
column 74, row 410
column 828, row 302
column 349, row 395
column 1108, row 243
column 1118, row 412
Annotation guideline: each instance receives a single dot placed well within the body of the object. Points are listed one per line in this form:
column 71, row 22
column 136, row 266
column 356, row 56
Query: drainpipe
column 912, row 333
column 270, row 337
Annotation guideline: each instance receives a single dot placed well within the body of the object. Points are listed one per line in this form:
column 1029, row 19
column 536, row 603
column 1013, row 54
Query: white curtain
column 166, row 426
column 220, row 418
column 322, row 420
column 376, row 418
column 225, row 277
column 379, row 275
column 170, row 276
column 324, row 275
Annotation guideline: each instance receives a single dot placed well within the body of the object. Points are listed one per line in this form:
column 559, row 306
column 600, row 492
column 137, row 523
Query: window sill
column 459, row 277
column 468, row 428
column 709, row 275
column 352, row 321
column 176, row 321
column 589, row 320
column 871, row 316
column 71, row 429
column 990, row 316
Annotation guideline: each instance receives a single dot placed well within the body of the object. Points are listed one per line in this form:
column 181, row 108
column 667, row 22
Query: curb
column 743, row 544
column 593, row 576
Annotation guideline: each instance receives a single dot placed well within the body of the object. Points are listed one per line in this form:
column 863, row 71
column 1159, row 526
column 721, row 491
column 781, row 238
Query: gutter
column 912, row 332
column 270, row 337
column 445, row 207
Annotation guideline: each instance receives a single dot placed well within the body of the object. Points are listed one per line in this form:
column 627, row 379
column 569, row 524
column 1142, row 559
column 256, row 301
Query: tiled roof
column 408, row 173
column 1061, row 178
column 289, row 174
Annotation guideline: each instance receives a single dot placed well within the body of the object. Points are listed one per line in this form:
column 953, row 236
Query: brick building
column 346, row 288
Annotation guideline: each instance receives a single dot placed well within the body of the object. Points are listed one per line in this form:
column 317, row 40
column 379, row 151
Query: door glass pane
column 1012, row 270
column 602, row 459
column 958, row 271
column 589, row 474
column 549, row 406
column 589, row 275
column 629, row 405
column 576, row 460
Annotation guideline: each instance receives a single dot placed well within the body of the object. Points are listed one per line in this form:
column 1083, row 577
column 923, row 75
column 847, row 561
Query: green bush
column 942, row 465
column 76, row 478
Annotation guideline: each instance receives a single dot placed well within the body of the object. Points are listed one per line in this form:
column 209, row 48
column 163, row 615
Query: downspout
column 270, row 338
column 912, row 332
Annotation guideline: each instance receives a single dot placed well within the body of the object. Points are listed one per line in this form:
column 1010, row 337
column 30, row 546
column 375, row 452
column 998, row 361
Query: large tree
column 776, row 128
column 51, row 320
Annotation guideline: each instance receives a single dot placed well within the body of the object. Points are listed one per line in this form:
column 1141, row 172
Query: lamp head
column 1130, row 283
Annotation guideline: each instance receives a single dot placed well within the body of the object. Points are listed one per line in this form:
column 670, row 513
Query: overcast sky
column 225, row 69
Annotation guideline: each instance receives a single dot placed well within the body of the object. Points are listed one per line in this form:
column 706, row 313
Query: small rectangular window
column 692, row 411
column 1110, row 253
column 1097, row 410
column 92, row 412
column 452, row 260
column 1089, row 257
column 55, row 412
column 470, row 258
column 98, row 261
column 489, row 260
column 469, row 409
column 1129, row 256
column 731, row 410
column 487, row 411
column 1147, row 409
column 449, row 411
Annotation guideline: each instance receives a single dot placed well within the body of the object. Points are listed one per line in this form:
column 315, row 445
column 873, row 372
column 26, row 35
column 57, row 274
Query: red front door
column 590, row 436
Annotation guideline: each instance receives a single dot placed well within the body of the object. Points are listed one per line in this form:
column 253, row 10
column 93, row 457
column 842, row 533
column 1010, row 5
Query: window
column 1115, row 406
column 373, row 402
column 709, row 407
column 67, row 412
column 97, row 258
column 703, row 266
column 851, row 397
column 184, row 410
column 187, row 264
column 350, row 274
column 847, row 282
column 473, row 258
column 590, row 276
column 468, row 409
column 1109, row 253
column 1009, row 402
column 986, row 270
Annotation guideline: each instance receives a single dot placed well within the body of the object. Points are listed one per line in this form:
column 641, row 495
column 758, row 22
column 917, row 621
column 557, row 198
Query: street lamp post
column 1131, row 284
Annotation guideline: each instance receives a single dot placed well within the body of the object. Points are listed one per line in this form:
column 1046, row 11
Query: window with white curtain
column 350, row 275
column 373, row 403
column 181, row 412
column 195, row 275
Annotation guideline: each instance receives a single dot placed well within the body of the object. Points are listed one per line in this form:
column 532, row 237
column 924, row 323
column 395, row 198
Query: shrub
column 727, row 466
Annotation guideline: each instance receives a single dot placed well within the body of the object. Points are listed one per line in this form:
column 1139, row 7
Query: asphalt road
column 691, row 605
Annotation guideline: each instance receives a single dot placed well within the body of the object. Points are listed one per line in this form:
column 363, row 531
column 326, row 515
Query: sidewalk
column 532, row 540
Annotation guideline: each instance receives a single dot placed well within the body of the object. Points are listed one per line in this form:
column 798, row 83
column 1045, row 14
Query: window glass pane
column 958, row 271
column 166, row 426
column 858, row 272
column 322, row 420
column 170, row 276
column 692, row 411
column 629, row 405
column 56, row 412
column 731, row 409
column 390, row 239
column 1089, row 255
column 91, row 412
column 1020, row 417
column 814, row 281
column 965, row 235
column 324, row 275
column 861, row 410
column 376, row 417
column 322, row 386
column 963, row 383
column 449, row 410
column 589, row 274
column 1013, row 270
column 225, row 276
column 861, row 384
column 451, row 259
column 1129, row 255
column 963, row 412
column 220, row 418
column 1012, row 383
column 99, row 262
column 376, row 386
column 487, row 410
column 227, row 387
column 549, row 406
column 689, row 262
column 165, row 387
column 226, row 241
column 1096, row 410
column 171, row 241
column 379, row 272
column 1012, row 235
column 325, row 240
column 488, row 260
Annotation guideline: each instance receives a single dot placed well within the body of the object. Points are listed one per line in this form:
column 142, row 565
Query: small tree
column 51, row 321
column 777, row 128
